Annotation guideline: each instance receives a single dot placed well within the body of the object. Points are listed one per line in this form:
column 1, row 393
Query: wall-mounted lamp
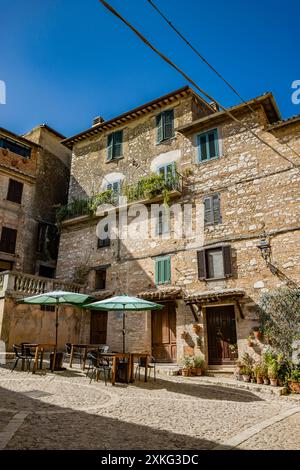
column 264, row 247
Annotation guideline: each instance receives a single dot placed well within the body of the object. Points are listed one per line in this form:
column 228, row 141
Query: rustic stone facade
column 258, row 196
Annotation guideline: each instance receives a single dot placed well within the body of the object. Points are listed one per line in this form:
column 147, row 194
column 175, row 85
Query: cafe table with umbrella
column 124, row 303
column 57, row 298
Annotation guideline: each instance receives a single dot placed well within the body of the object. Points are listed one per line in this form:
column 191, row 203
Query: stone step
column 220, row 372
column 167, row 369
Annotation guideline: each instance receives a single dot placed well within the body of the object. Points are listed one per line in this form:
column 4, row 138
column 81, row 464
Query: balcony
column 20, row 285
column 152, row 188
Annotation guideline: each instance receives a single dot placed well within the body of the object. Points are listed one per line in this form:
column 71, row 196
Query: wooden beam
column 240, row 309
column 193, row 312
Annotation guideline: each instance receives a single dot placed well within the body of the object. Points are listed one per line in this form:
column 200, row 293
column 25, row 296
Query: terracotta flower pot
column 198, row 371
column 186, row 372
column 273, row 382
column 294, row 386
column 259, row 380
column 266, row 381
column 193, row 371
column 246, row 378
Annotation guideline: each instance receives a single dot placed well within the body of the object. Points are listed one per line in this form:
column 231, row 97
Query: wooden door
column 98, row 327
column 221, row 332
column 164, row 333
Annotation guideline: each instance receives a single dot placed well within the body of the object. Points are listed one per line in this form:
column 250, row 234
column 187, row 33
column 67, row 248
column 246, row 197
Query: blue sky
column 67, row 61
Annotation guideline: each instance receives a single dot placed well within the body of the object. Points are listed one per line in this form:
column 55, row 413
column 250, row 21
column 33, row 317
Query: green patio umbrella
column 124, row 303
column 57, row 298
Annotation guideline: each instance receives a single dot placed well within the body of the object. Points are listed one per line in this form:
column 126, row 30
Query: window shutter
column 216, row 209
column 167, row 270
column 118, row 144
column 157, row 272
column 168, row 124
column 201, row 264
column 109, row 187
column 227, row 260
column 15, row 190
column 159, row 125
column 202, row 148
column 208, row 210
column 116, row 187
column 8, row 240
column 216, row 137
column 110, row 141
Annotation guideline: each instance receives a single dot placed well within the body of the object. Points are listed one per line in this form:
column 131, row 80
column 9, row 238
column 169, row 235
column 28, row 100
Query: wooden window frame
column 13, row 244
column 227, row 262
column 14, row 191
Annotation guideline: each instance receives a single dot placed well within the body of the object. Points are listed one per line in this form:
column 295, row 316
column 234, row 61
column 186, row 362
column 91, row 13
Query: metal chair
column 142, row 364
column 22, row 353
column 98, row 365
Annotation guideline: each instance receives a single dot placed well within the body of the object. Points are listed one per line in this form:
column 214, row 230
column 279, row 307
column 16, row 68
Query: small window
column 115, row 145
column 162, row 223
column 14, row 192
column 208, row 145
column 167, row 171
column 100, row 279
column 212, row 210
column 163, row 270
column 215, row 263
column 101, row 243
column 115, row 186
column 15, row 147
column 165, row 125
column 8, row 240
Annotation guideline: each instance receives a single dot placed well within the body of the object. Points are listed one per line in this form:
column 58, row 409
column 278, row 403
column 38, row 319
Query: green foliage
column 198, row 362
column 294, row 374
column 149, row 187
column 280, row 318
column 98, row 199
column 186, row 362
column 258, row 369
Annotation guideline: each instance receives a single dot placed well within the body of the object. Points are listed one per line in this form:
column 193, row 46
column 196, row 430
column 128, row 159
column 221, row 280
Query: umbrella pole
column 123, row 331
column 56, row 323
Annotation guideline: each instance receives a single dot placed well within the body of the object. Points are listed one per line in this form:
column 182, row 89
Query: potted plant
column 257, row 333
column 250, row 341
column 273, row 373
column 187, row 365
column 265, row 374
column 246, row 373
column 294, row 380
column 258, row 373
column 198, row 365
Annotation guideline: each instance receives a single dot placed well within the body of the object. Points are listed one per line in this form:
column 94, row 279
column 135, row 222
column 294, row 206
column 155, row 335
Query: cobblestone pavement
column 63, row 411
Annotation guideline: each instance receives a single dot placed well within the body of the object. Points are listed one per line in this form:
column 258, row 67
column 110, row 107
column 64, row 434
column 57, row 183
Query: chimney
column 214, row 105
column 98, row 120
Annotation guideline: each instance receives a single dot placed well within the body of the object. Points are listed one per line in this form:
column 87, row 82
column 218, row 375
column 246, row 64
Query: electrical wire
column 208, row 63
column 190, row 80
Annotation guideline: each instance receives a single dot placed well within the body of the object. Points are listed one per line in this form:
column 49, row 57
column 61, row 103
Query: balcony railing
column 20, row 284
column 147, row 188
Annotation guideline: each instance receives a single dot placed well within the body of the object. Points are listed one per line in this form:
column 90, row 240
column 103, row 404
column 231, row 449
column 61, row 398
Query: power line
column 208, row 63
column 190, row 80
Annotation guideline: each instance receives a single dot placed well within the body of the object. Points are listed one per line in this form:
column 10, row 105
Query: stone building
column 34, row 178
column 247, row 197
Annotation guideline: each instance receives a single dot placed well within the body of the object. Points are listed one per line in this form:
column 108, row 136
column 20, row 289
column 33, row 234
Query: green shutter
column 167, row 270
column 168, row 124
column 159, row 125
column 110, row 141
column 157, row 272
column 118, row 144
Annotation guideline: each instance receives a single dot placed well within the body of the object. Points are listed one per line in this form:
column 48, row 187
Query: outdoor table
column 115, row 357
column 40, row 348
column 85, row 347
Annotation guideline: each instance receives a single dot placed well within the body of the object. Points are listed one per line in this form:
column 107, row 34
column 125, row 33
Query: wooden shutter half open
column 227, row 260
column 201, row 264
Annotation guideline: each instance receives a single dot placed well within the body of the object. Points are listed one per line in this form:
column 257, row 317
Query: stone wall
column 259, row 192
